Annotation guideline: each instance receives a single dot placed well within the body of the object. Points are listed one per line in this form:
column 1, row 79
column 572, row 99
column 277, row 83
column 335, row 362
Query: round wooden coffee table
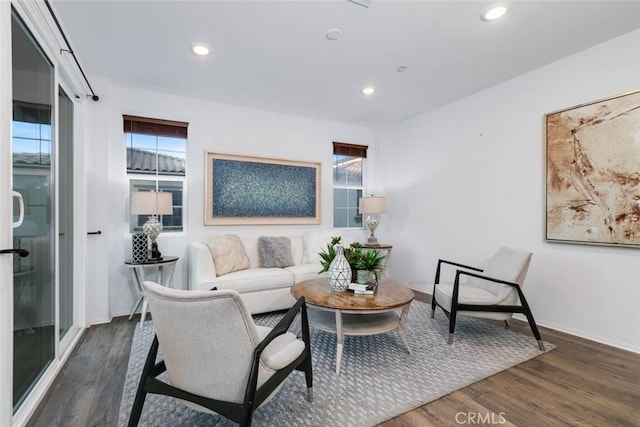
column 345, row 313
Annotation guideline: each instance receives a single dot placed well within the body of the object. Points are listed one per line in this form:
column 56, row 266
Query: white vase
column 339, row 271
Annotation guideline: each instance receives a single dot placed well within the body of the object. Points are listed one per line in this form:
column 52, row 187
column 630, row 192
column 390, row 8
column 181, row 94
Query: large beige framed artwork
column 256, row 190
column 593, row 172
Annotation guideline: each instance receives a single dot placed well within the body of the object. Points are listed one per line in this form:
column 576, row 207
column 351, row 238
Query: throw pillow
column 228, row 253
column 275, row 252
column 312, row 243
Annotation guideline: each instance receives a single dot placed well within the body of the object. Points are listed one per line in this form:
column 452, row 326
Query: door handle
column 21, row 252
column 18, row 196
column 94, row 232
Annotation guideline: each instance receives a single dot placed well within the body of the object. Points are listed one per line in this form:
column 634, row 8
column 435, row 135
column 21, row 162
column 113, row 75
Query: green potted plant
column 368, row 264
column 327, row 255
column 368, row 261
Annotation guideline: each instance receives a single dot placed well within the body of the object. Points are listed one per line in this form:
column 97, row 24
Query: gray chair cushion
column 507, row 264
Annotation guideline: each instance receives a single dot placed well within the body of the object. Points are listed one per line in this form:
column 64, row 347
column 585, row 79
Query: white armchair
column 494, row 294
column 216, row 358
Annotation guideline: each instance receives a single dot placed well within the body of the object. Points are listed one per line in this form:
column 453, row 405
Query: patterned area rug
column 378, row 379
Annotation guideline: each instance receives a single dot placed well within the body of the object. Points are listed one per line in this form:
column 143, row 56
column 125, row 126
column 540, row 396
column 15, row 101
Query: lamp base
column 372, row 224
column 152, row 228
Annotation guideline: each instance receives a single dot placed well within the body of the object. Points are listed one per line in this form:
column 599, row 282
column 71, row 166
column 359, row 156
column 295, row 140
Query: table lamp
column 152, row 203
column 372, row 206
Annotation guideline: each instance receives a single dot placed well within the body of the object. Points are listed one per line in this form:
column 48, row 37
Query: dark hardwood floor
column 88, row 389
column 580, row 383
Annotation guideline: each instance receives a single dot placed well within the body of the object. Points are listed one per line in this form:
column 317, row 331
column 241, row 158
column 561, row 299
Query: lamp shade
column 373, row 205
column 151, row 203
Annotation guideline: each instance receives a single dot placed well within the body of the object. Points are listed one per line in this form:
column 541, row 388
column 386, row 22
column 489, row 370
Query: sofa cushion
column 274, row 252
column 302, row 272
column 228, row 253
column 312, row 243
column 255, row 279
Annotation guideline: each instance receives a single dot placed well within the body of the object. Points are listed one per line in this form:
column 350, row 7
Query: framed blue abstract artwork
column 255, row 190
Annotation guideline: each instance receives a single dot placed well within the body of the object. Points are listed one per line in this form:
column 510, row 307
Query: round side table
column 163, row 270
column 385, row 250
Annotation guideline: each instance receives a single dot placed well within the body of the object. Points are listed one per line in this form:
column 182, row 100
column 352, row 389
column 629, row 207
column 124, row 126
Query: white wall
column 461, row 181
column 469, row 177
column 97, row 213
column 213, row 127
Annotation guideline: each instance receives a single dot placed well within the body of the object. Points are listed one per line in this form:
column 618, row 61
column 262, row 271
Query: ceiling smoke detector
column 334, row 34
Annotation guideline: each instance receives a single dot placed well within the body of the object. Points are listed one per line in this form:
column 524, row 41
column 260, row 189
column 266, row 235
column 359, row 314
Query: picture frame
column 593, row 172
column 241, row 189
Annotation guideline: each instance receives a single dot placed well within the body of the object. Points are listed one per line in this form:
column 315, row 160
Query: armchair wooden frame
column 496, row 308
column 241, row 413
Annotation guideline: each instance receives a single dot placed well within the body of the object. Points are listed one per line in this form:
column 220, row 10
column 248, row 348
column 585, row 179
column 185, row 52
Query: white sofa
column 261, row 289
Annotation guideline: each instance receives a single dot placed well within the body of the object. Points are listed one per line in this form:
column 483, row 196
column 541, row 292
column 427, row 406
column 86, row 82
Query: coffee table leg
column 339, row 341
column 401, row 331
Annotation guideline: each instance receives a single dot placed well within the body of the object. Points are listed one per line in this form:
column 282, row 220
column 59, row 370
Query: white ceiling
column 273, row 55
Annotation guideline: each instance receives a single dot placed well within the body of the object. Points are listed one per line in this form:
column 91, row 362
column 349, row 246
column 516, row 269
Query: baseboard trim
column 552, row 326
column 615, row 344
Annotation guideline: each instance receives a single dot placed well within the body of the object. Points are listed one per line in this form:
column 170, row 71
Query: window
column 156, row 161
column 31, row 135
column 31, row 143
column 348, row 172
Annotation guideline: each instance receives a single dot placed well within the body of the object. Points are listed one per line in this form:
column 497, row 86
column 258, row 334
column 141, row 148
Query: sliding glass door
column 41, row 297
column 42, row 150
column 32, row 147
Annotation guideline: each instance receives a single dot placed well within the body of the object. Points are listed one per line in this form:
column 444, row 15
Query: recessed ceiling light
column 200, row 49
column 334, row 34
column 368, row 90
column 494, row 13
